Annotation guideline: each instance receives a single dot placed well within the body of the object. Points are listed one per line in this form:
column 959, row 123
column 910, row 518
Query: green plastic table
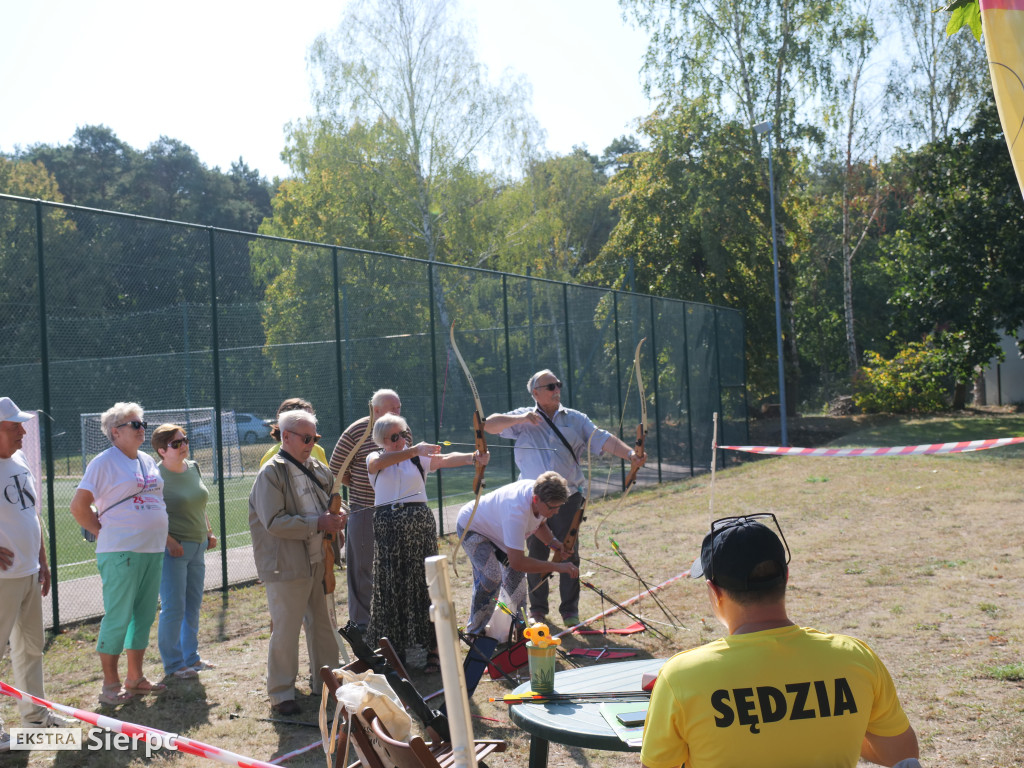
column 579, row 724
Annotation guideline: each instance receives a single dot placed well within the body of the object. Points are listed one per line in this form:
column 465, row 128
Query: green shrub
column 915, row 380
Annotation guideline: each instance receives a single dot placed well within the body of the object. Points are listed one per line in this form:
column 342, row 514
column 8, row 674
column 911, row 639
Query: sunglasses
column 176, row 444
column 725, row 523
column 550, row 387
column 400, row 436
column 133, row 424
column 306, row 439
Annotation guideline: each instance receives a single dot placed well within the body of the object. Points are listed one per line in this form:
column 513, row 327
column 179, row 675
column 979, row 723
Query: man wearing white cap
column 771, row 693
column 24, row 573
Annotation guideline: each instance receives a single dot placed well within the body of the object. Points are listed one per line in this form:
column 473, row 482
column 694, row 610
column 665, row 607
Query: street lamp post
column 762, row 128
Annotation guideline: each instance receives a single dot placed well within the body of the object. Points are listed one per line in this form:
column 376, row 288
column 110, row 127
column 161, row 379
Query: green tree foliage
column 343, row 189
column 410, row 66
column 956, row 260
column 19, row 287
column 852, row 130
column 749, row 61
column 915, row 380
column 943, row 80
column 690, row 226
column 166, row 180
column 838, row 214
column 554, row 221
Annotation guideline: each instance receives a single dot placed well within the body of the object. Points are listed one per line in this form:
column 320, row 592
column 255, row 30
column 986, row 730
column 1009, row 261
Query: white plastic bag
column 358, row 691
column 368, row 689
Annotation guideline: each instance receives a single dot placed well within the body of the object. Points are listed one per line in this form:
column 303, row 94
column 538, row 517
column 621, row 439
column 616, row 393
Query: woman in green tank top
column 189, row 536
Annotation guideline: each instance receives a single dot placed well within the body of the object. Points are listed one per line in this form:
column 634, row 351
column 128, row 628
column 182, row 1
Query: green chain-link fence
column 100, row 307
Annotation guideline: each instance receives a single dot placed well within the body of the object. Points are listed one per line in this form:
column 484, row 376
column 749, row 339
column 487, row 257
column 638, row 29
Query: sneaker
column 186, row 673
column 5, row 740
column 53, row 720
column 538, row 616
column 571, row 620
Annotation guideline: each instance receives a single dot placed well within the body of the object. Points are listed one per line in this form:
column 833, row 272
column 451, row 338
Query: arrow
column 544, row 698
column 622, row 555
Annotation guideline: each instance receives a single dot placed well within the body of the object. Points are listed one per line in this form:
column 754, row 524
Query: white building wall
column 1004, row 382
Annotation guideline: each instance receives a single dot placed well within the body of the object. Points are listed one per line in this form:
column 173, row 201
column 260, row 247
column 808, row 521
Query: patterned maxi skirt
column 404, row 536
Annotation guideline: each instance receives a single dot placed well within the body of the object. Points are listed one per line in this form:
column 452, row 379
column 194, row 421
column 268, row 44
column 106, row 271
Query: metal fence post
column 433, row 386
column 568, row 345
column 44, row 353
column 618, row 380
column 337, row 342
column 686, row 372
column 508, row 359
column 718, row 381
column 215, row 351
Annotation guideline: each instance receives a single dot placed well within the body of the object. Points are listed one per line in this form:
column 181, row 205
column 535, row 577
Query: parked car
column 250, row 429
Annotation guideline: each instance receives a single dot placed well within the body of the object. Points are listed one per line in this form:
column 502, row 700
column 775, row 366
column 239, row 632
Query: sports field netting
column 188, row 320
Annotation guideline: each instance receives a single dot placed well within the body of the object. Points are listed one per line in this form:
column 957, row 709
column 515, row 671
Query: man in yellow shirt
column 771, row 693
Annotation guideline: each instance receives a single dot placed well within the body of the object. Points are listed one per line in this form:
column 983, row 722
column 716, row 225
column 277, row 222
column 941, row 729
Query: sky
column 226, row 77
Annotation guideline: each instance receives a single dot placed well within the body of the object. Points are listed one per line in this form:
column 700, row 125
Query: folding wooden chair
column 360, row 729
column 417, row 753
column 360, row 733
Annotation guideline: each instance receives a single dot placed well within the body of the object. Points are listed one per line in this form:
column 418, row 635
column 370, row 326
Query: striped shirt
column 360, row 492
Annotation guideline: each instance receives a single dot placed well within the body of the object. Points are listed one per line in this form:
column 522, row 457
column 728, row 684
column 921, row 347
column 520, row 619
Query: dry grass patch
column 919, row 557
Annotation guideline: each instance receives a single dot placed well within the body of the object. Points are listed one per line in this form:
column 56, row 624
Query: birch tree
column 410, row 65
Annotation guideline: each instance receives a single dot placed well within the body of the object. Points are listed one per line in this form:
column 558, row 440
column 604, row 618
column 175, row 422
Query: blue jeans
column 181, row 594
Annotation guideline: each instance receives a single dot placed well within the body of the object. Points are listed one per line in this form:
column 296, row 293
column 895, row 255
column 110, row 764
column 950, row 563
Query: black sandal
column 433, row 665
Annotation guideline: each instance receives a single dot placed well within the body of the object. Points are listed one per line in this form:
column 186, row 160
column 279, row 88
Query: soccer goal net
column 199, row 426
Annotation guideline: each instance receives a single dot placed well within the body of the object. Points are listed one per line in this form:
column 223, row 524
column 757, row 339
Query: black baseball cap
column 733, row 548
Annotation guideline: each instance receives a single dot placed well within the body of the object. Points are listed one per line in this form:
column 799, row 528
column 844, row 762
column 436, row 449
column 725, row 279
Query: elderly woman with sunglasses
column 120, row 500
column 404, row 534
column 184, row 570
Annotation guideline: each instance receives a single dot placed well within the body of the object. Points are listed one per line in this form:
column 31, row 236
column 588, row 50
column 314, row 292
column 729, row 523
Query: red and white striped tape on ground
column 896, row 450
column 180, row 743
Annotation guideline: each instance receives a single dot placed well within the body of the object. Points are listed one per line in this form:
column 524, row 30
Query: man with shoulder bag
column 288, row 515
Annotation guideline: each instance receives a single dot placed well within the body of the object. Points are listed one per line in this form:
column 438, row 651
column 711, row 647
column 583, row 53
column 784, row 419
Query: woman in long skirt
column 404, row 535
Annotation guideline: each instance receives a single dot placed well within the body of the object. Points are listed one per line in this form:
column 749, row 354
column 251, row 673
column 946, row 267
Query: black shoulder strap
column 419, row 465
column 304, row 468
column 560, row 435
column 416, row 462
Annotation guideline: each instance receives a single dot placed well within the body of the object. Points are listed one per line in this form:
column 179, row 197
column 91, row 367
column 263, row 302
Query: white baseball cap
column 10, row 412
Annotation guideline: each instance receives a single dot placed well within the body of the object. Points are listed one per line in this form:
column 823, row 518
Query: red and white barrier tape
column 296, row 752
column 171, row 740
column 896, row 450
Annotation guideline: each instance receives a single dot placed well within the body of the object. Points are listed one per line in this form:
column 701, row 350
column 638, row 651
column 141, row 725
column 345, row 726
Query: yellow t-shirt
column 318, row 453
column 786, row 697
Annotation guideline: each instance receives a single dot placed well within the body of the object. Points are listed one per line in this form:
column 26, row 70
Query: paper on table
column 632, row 736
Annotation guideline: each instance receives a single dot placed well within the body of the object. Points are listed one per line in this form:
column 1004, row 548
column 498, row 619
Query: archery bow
column 641, row 439
column 336, row 505
column 641, row 428
column 480, row 442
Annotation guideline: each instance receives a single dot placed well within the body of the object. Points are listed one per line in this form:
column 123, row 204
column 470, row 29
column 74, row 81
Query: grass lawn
column 921, row 557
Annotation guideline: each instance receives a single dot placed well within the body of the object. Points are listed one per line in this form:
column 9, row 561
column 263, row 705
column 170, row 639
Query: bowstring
column 444, row 388
column 622, row 419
